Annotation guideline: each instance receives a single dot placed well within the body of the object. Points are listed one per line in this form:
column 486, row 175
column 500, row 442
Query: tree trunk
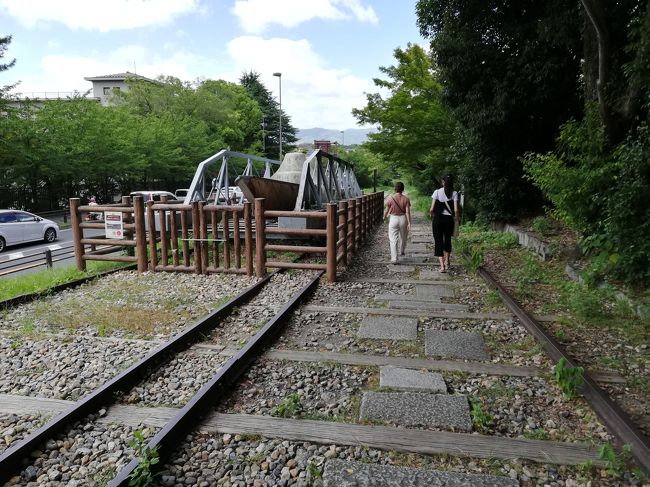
column 595, row 10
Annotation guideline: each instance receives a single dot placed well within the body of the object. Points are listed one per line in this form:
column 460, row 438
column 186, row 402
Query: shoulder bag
column 455, row 233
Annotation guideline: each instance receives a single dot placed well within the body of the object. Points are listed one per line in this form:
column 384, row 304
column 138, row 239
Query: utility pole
column 279, row 75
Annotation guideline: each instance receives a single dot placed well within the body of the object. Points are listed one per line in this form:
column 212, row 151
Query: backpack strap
column 398, row 205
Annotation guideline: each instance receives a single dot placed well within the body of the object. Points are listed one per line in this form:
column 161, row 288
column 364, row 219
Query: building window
column 109, row 91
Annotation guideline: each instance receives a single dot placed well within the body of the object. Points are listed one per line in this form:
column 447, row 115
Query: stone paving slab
column 341, row 473
column 416, row 247
column 409, row 259
column 455, row 344
column 400, row 268
column 427, row 256
column 388, row 328
column 406, row 297
column 426, row 305
column 433, row 274
column 431, row 291
column 417, row 409
column 411, row 380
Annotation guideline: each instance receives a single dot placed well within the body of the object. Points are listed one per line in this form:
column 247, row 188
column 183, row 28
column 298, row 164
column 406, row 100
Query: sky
column 328, row 51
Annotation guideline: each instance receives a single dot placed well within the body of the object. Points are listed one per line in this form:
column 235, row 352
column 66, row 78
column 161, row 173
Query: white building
column 105, row 86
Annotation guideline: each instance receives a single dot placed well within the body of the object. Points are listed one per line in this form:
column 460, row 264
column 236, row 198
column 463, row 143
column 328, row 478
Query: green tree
column 270, row 118
column 617, row 63
column 230, row 112
column 366, row 163
column 416, row 129
column 4, row 45
column 509, row 71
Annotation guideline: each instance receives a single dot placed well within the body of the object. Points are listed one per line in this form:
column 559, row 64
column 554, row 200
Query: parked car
column 181, row 193
column 154, row 195
column 20, row 226
column 235, row 194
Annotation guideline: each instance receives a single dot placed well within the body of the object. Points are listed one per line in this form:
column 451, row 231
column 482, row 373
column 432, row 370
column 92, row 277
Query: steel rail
column 617, row 421
column 104, row 395
column 187, row 418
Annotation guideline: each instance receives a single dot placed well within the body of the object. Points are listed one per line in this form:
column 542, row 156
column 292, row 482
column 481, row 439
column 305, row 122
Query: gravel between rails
column 242, row 324
column 229, row 460
column 87, row 455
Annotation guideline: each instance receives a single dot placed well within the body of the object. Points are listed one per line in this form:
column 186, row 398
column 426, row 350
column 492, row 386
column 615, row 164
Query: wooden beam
column 328, row 433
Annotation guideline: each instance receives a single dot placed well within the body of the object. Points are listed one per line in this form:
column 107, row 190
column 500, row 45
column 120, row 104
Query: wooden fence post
column 362, row 218
column 236, row 238
column 77, row 234
column 162, row 217
column 225, row 223
column 351, row 229
column 153, row 250
column 140, row 234
column 331, row 242
column 260, row 238
column 128, row 218
column 380, row 209
column 203, row 242
column 343, row 207
column 196, row 235
column 248, row 238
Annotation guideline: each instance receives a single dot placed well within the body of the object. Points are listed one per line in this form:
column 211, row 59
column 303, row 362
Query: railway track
column 336, row 376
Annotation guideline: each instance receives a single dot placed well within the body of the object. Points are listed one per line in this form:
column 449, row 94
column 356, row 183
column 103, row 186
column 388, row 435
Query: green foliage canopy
column 269, row 120
column 416, row 130
column 509, row 71
column 152, row 137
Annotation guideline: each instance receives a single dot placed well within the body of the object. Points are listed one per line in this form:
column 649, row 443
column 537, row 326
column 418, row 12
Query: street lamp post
column 263, row 135
column 342, row 138
column 279, row 75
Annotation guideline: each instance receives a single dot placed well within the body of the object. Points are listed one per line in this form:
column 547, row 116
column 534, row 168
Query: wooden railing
column 206, row 239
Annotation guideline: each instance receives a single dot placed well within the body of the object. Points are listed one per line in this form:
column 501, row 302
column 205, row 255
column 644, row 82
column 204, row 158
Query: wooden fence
column 204, row 238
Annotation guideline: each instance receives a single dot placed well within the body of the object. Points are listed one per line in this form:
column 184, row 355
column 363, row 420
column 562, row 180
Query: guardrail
column 206, row 239
column 47, row 258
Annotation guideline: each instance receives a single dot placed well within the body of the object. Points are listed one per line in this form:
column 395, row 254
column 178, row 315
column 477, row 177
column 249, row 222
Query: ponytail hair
column 448, row 185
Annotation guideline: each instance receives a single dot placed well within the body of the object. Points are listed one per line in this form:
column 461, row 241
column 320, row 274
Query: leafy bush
column 568, row 378
column 602, row 192
column 480, row 418
column 288, row 408
column 542, row 225
column 142, row 475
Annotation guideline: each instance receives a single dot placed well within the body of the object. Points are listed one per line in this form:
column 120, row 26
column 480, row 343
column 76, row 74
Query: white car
column 154, row 196
column 20, row 226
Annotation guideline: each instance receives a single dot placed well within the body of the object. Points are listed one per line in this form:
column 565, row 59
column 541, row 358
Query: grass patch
column 537, row 434
column 47, row 279
column 493, row 299
column 106, row 316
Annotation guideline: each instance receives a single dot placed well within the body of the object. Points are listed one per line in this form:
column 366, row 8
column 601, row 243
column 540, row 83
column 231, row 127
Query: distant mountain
column 349, row 136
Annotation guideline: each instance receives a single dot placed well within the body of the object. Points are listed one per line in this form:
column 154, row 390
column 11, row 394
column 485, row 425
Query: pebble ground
column 68, row 344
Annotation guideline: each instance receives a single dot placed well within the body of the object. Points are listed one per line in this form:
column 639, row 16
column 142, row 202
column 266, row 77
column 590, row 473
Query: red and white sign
column 113, row 224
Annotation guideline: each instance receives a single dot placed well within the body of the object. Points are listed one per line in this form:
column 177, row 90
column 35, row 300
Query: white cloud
column 255, row 15
column 95, row 15
column 64, row 73
column 313, row 94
